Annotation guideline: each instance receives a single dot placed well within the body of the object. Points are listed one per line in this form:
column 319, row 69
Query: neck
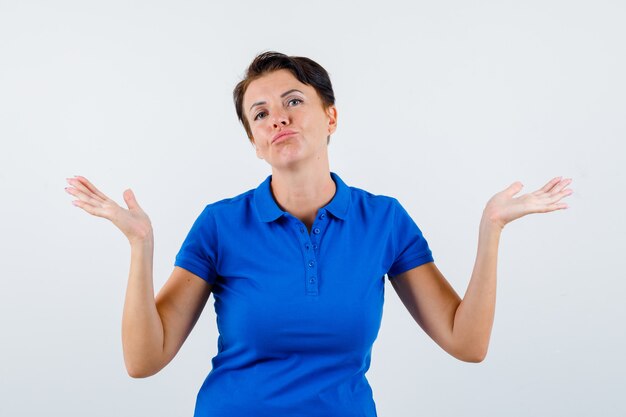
column 303, row 192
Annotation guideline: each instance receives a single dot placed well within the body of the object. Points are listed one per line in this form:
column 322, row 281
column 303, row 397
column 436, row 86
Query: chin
column 286, row 163
column 288, row 156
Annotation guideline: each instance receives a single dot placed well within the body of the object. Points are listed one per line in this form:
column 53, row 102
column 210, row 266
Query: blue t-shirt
column 297, row 311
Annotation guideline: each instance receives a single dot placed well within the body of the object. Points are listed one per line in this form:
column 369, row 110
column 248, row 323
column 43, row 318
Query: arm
column 462, row 327
column 153, row 330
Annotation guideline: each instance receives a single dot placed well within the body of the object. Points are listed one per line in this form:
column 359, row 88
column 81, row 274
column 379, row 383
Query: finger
column 96, row 211
column 514, row 188
column 554, row 207
column 84, row 182
column 553, row 198
column 561, row 185
column 81, row 191
column 87, row 198
column 92, row 188
column 130, row 199
column 550, row 184
column 545, row 207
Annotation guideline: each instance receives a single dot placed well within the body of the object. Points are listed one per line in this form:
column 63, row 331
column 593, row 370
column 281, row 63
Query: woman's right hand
column 134, row 222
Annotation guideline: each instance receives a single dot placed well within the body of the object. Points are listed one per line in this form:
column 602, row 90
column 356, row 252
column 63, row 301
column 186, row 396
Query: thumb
column 514, row 188
column 131, row 201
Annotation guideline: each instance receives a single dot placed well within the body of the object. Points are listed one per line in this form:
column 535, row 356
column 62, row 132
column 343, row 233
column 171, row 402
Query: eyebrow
column 293, row 90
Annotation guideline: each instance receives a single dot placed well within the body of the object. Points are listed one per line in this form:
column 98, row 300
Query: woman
column 297, row 266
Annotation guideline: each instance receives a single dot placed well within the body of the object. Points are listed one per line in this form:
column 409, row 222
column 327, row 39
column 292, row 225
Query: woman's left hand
column 503, row 208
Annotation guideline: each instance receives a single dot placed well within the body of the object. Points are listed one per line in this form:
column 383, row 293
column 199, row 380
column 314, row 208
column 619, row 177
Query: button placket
column 309, row 258
column 311, row 248
column 317, row 230
column 311, row 277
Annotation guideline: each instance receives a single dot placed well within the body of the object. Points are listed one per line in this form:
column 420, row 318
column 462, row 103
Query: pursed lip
column 281, row 134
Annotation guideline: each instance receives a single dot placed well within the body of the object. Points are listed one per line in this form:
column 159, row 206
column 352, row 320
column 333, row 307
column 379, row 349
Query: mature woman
column 297, row 266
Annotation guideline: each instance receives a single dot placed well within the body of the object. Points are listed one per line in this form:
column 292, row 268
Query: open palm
column 504, row 207
column 133, row 222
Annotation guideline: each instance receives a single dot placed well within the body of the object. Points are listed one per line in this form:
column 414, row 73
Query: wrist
column 143, row 241
column 491, row 223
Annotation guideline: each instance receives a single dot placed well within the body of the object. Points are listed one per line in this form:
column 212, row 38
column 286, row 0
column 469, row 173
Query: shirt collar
column 340, row 203
column 268, row 210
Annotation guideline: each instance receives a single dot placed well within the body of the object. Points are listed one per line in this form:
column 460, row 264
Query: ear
column 331, row 112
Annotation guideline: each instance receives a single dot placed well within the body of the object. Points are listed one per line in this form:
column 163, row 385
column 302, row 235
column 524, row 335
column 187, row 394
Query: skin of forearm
column 474, row 316
column 142, row 328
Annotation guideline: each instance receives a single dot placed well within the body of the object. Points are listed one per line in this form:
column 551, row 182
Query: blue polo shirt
column 297, row 311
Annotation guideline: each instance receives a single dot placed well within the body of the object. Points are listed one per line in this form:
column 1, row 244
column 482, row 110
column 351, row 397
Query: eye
column 259, row 115
column 294, row 102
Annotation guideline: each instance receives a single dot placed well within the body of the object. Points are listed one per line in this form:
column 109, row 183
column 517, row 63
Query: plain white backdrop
column 441, row 105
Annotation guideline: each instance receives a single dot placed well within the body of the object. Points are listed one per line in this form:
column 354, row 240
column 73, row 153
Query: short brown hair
column 304, row 69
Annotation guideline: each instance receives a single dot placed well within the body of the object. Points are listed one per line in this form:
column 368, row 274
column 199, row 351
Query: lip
column 282, row 134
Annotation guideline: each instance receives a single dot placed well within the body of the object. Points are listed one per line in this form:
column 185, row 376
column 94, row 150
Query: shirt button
column 314, row 246
column 316, row 231
column 311, row 263
column 323, row 215
column 302, row 230
column 312, row 280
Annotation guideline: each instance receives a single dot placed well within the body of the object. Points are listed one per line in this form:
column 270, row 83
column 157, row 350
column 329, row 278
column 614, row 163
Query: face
column 288, row 121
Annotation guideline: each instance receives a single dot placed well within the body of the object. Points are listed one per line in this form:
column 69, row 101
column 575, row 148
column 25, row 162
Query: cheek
column 308, row 120
column 320, row 124
column 258, row 129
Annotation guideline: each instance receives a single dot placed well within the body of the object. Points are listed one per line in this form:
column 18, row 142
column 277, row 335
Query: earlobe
column 332, row 119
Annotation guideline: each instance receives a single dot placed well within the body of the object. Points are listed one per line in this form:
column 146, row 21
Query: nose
column 280, row 119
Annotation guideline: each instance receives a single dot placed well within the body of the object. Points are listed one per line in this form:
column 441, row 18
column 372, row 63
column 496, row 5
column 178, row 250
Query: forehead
column 272, row 85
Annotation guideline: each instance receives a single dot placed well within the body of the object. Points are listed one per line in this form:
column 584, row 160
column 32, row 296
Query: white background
column 441, row 105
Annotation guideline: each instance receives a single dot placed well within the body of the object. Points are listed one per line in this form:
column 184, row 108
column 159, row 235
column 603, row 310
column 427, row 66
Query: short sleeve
column 199, row 249
column 410, row 248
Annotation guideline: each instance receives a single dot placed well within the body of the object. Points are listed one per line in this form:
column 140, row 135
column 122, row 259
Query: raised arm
column 462, row 327
column 153, row 330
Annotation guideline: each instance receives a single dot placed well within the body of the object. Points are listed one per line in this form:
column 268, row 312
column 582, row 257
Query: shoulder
column 229, row 205
column 369, row 206
column 231, row 202
column 366, row 200
column 225, row 210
